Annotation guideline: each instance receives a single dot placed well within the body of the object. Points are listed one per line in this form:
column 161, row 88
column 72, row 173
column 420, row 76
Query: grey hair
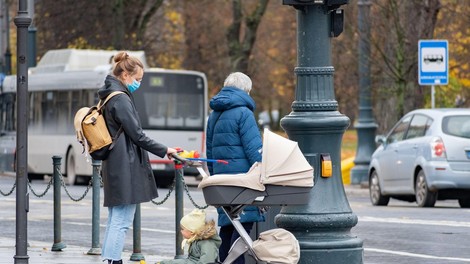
column 239, row 80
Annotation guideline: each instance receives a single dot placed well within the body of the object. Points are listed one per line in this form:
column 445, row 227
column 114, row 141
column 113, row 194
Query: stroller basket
column 273, row 195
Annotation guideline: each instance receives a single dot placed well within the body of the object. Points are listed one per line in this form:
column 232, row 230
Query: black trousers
column 229, row 234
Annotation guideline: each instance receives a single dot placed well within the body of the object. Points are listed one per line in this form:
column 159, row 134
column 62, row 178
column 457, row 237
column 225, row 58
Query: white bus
column 172, row 106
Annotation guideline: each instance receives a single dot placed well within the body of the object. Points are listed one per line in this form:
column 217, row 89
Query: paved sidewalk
column 40, row 253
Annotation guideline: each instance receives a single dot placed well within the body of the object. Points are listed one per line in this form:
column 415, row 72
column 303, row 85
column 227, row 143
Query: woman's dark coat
column 233, row 135
column 127, row 175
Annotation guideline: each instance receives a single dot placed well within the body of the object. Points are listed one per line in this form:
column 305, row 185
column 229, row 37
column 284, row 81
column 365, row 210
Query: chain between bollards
column 62, row 182
column 9, row 192
column 58, row 181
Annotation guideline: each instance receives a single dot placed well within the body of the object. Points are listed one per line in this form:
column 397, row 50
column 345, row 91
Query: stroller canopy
column 282, row 164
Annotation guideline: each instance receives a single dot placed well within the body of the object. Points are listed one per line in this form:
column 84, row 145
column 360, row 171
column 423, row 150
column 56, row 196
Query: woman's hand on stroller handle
column 178, row 158
column 170, row 152
column 192, row 158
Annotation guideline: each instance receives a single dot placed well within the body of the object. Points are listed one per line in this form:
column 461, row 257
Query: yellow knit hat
column 194, row 221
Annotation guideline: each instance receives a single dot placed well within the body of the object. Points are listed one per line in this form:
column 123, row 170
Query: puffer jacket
column 233, row 135
column 127, row 174
column 203, row 249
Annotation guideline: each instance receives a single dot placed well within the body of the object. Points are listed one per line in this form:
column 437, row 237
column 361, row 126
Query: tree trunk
column 240, row 47
column 118, row 24
column 399, row 25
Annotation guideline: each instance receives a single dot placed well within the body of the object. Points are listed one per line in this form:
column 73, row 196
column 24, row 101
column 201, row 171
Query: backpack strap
column 115, row 137
column 100, row 105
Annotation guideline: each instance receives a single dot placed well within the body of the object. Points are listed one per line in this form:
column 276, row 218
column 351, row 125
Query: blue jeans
column 120, row 218
column 229, row 234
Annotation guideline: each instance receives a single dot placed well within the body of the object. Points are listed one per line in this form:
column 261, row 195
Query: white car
column 424, row 158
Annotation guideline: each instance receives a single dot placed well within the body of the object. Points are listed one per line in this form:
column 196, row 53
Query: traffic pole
column 22, row 22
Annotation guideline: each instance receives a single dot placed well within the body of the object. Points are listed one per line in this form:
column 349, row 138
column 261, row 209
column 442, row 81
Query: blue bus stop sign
column 433, row 62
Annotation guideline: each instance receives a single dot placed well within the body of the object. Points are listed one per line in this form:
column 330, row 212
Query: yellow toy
column 189, row 154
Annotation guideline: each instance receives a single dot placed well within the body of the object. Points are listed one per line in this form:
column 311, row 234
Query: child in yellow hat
column 201, row 237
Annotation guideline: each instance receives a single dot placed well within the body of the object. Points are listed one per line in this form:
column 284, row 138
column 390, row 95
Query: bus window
column 7, row 112
column 171, row 101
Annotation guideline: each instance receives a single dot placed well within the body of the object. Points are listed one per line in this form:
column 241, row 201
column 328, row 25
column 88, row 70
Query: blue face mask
column 133, row 86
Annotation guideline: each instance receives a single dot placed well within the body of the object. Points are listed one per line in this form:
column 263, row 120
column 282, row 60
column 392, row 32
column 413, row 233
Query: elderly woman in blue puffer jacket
column 233, row 135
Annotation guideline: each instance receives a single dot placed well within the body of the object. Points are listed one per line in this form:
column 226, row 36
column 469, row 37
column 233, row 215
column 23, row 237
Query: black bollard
column 179, row 208
column 137, row 235
column 58, row 244
column 95, row 218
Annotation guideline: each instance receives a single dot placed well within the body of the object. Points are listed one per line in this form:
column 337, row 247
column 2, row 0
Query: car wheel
column 464, row 202
column 424, row 197
column 375, row 194
column 70, row 172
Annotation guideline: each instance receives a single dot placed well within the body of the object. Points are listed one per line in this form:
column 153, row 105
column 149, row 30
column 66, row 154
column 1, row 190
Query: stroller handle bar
column 194, row 161
column 182, row 160
column 209, row 160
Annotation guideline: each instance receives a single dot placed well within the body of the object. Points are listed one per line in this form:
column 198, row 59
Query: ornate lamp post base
column 323, row 225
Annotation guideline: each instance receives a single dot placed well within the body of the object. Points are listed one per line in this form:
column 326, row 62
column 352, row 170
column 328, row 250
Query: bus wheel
column 70, row 170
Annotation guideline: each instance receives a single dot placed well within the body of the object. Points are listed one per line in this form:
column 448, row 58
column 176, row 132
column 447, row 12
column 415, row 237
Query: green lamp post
column 365, row 125
column 323, row 226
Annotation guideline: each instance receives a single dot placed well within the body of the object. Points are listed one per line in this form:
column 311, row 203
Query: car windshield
column 458, row 126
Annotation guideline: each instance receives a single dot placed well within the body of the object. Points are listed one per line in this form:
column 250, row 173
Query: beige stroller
column 284, row 177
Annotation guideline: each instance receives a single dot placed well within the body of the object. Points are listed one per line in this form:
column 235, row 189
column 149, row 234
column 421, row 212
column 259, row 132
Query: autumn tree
column 236, row 38
column 274, row 59
column 206, row 47
column 398, row 25
column 130, row 21
column 454, row 26
column 115, row 24
column 345, row 58
column 259, row 38
column 241, row 33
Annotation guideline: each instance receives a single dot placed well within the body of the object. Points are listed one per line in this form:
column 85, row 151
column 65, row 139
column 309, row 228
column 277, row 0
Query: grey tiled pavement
column 40, row 252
